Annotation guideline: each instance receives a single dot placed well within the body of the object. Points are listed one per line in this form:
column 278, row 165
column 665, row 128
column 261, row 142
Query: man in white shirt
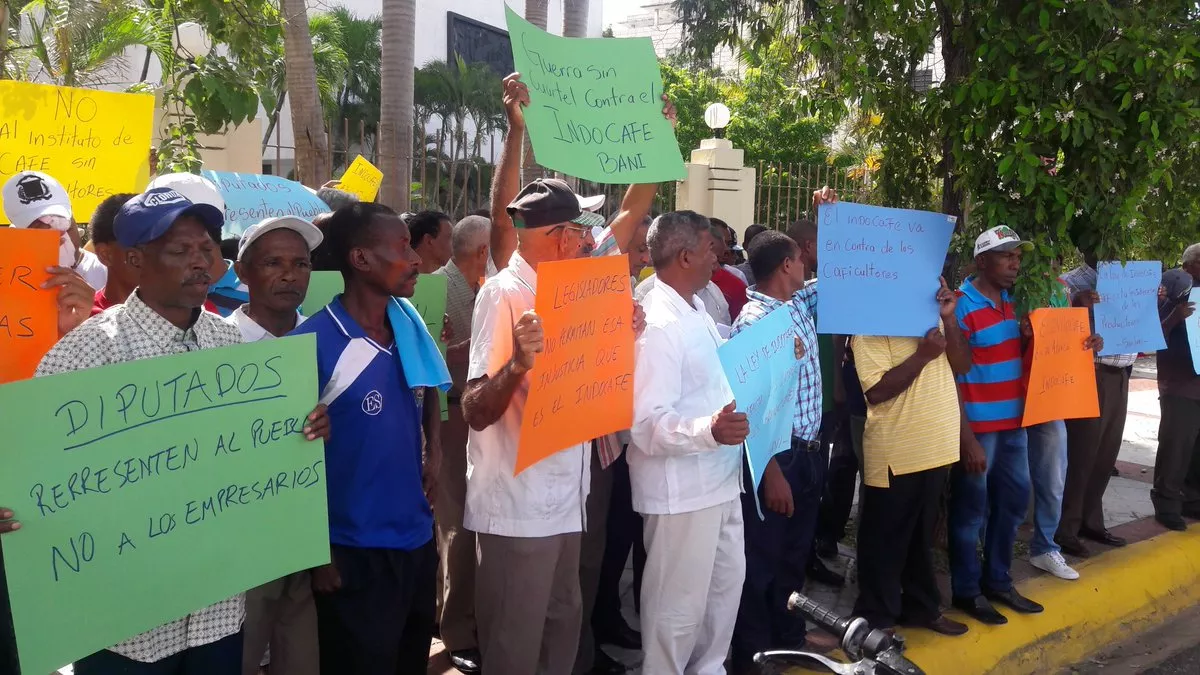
column 685, row 461
column 527, row 596
column 274, row 261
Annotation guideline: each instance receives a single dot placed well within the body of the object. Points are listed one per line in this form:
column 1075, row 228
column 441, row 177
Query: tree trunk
column 535, row 13
column 575, row 18
column 396, row 108
column 308, row 119
column 954, row 55
column 274, row 119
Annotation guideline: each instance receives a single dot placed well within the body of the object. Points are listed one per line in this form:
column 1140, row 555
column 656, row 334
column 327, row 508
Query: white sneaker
column 1053, row 563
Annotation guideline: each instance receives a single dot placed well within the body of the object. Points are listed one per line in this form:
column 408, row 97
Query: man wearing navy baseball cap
column 169, row 241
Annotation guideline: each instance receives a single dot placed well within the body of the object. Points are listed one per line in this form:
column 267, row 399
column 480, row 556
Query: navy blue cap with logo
column 149, row 215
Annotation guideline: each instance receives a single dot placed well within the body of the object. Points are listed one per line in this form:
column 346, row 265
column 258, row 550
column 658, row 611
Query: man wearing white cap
column 275, row 260
column 35, row 200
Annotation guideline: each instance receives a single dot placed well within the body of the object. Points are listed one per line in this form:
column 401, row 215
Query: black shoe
column 1171, row 521
column 1072, row 546
column 941, row 625
column 466, row 661
column 1116, row 471
column 603, row 664
column 827, row 549
column 820, row 573
column 1015, row 601
column 980, row 609
column 620, row 635
column 1104, row 537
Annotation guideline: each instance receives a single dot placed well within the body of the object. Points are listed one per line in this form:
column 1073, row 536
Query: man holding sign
column 685, row 461
column 170, row 242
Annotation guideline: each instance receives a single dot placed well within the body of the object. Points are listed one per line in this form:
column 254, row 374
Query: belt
column 805, row 446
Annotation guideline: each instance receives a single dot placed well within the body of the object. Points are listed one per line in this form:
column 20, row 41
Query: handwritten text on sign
column 1062, row 375
column 250, row 198
column 362, row 178
column 95, row 143
column 28, row 313
column 139, row 485
column 1127, row 314
column 762, row 368
column 878, row 269
column 595, row 106
column 581, row 386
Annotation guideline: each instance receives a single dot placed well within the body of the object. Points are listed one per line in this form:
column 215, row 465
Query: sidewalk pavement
column 1120, row 591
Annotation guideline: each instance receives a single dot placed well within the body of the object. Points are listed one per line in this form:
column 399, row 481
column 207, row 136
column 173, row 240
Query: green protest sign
column 595, row 106
column 151, row 489
column 429, row 298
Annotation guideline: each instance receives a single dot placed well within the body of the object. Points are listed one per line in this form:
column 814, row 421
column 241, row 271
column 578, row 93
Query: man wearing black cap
column 527, row 597
column 170, row 242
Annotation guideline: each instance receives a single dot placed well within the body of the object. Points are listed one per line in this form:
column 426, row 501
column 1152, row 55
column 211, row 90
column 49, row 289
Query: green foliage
column 1076, row 122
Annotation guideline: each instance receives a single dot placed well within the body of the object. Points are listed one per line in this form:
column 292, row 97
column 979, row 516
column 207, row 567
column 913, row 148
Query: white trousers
column 695, row 566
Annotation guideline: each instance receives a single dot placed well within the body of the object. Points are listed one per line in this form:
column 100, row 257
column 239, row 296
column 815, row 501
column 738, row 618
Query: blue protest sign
column 763, row 371
column 1193, row 327
column 1127, row 314
column 250, row 198
column 878, row 269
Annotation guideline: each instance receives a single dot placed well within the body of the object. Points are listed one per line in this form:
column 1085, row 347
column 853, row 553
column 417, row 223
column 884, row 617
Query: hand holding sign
column 516, row 97
column 947, row 301
column 932, row 345
column 7, row 524
column 75, row 297
column 529, row 340
column 730, row 427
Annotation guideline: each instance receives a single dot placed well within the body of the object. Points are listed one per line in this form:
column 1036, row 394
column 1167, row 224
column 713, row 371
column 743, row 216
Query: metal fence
column 783, row 192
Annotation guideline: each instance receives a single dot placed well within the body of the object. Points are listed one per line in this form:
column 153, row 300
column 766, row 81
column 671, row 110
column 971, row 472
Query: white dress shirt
column 714, row 300
column 548, row 497
column 251, row 331
column 675, row 464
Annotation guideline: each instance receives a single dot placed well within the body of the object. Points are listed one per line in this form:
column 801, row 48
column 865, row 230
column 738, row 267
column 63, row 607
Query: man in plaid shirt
column 778, row 546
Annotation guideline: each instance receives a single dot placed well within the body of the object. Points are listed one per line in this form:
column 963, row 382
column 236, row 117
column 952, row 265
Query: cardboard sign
column 151, row 489
column 429, row 298
column 362, row 178
column 581, row 386
column 595, row 106
column 763, row 371
column 1192, row 325
column 879, row 268
column 1062, row 375
column 28, row 313
column 250, row 198
column 96, row 143
column 1127, row 314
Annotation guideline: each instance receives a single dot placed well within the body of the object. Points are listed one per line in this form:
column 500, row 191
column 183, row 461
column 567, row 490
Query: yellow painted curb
column 1118, row 595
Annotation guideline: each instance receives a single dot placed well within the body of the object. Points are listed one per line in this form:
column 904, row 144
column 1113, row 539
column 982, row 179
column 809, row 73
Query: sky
column 615, row 10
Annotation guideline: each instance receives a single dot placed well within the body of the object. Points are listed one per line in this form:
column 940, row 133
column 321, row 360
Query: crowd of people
column 431, row 532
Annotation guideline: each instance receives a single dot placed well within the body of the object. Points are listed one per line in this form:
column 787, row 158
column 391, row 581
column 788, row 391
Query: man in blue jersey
column 378, row 370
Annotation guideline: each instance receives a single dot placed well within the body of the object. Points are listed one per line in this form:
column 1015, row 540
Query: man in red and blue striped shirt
column 993, row 398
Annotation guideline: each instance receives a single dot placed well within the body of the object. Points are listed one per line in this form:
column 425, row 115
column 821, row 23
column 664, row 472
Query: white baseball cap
column 30, row 195
column 198, row 189
column 312, row 235
column 592, row 203
column 999, row 238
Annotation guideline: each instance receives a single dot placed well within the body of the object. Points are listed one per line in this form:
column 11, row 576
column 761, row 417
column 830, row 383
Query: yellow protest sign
column 362, row 178
column 96, row 143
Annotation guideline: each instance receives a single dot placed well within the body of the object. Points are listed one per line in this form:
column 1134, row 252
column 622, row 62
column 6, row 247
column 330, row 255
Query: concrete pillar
column 719, row 185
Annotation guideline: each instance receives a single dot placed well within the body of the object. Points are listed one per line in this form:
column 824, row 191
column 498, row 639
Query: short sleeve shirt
column 918, row 429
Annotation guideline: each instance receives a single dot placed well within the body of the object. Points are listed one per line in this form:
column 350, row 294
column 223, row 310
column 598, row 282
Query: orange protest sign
column 581, row 386
column 28, row 314
column 1062, row 375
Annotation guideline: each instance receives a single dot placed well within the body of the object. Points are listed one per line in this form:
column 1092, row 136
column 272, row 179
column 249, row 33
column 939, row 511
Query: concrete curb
column 1119, row 594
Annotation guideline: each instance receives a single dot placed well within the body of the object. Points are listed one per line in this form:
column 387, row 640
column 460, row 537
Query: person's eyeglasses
column 581, row 231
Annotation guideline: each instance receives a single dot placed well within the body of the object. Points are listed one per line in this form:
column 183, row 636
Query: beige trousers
column 282, row 614
column 456, row 544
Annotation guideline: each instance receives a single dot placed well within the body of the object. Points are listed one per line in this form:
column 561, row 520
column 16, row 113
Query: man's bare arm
column 506, row 181
column 486, row 398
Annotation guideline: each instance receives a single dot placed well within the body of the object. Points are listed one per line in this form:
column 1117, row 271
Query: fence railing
column 783, row 192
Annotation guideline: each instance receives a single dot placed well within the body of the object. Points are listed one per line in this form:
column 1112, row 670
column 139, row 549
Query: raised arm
column 506, row 181
column 958, row 350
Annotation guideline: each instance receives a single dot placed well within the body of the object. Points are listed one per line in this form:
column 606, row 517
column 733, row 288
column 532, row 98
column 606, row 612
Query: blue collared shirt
column 373, row 457
column 806, row 424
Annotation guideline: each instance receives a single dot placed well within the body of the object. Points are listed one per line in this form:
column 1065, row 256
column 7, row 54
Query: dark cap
column 550, row 201
column 149, row 215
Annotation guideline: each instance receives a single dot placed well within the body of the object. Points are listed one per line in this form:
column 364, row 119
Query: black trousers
column 777, row 550
column 895, row 549
column 624, row 533
column 8, row 644
column 223, row 657
column 840, row 481
column 381, row 620
column 1092, row 448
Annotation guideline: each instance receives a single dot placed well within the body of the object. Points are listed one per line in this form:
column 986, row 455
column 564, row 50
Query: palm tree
column 330, row 61
column 575, row 16
column 396, row 106
column 80, row 43
column 535, row 13
column 357, row 92
column 308, row 120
